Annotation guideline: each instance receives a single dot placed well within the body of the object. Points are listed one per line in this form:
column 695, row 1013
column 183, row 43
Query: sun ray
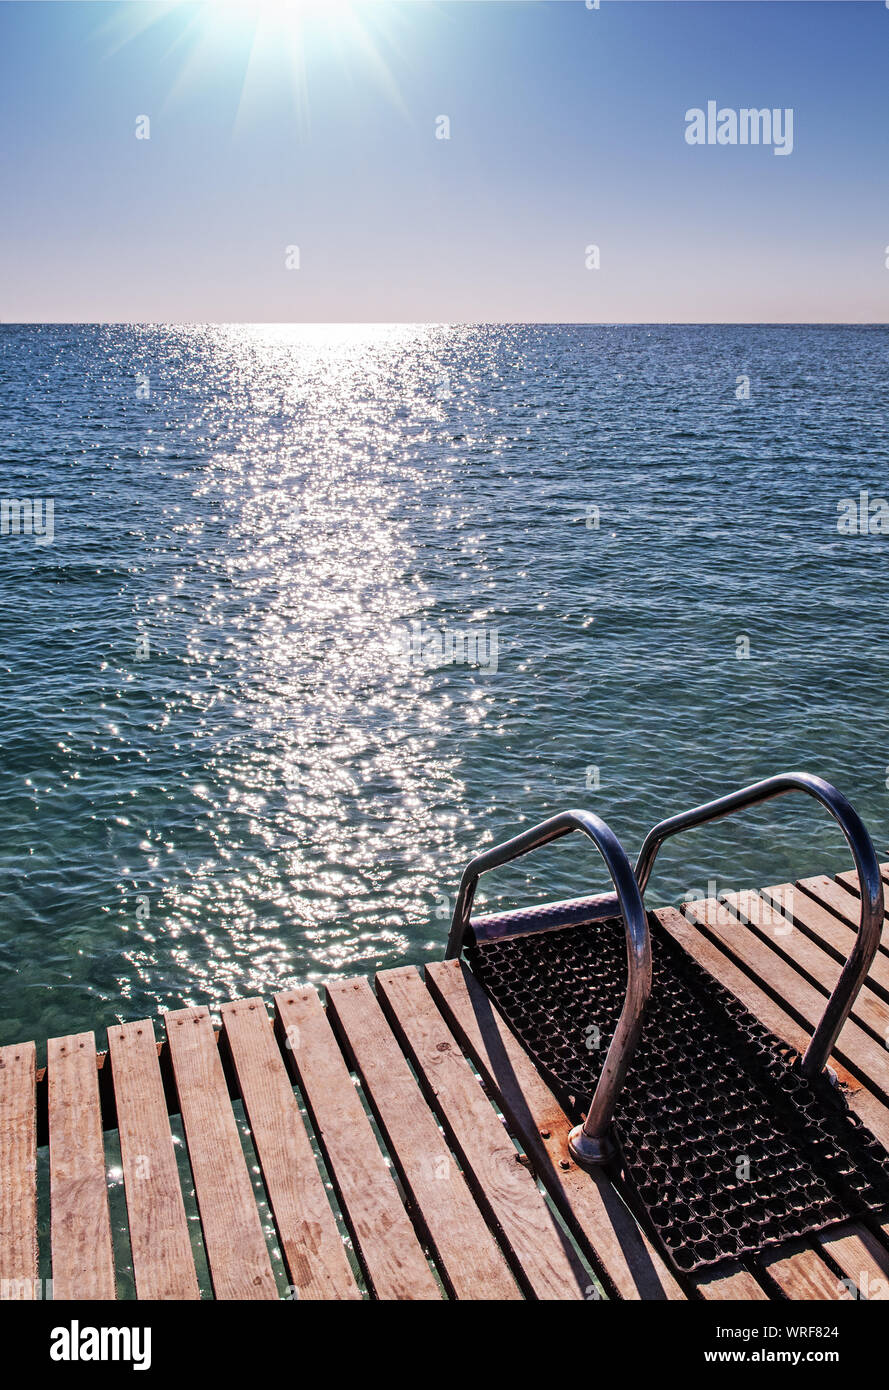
column 268, row 40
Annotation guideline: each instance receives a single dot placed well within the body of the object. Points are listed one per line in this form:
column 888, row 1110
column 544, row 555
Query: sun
column 264, row 39
column 286, row 16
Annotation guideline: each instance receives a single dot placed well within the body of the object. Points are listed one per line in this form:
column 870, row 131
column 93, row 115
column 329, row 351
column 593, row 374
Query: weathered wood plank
column 466, row 1252
column 835, row 936
column 239, row 1262
column 801, row 1273
column 163, row 1263
column 838, row 900
column 626, row 1261
column 806, row 956
column 542, row 1258
column 387, row 1244
column 82, row 1256
column 18, row 1172
column 869, row 1109
column 729, row 1284
column 849, row 880
column 861, row 1053
column 310, row 1241
column 861, row 1257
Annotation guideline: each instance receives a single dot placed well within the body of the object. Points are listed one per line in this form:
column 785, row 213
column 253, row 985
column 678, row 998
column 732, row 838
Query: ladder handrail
column 870, row 925
column 589, row 1142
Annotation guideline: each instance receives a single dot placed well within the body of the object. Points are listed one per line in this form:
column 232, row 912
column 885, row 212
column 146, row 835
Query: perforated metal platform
column 726, row 1147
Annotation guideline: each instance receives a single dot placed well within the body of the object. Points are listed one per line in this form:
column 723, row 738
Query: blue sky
column 315, row 126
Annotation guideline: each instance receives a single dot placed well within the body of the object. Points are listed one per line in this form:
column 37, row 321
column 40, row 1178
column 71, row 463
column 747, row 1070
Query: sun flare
column 269, row 41
column 283, row 16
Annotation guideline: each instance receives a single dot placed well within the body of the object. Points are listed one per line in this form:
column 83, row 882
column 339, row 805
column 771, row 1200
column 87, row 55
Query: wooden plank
column 833, row 935
column 849, row 881
column 729, row 1284
column 801, row 1273
column 313, row 1248
column 624, row 1258
column 839, row 901
column 18, row 1172
column 869, row 1109
column 861, row 1257
column 860, row 1052
column 806, row 956
column 239, row 1262
column 390, row 1252
column 82, row 1257
column 163, row 1263
column 467, row 1254
column 542, row 1257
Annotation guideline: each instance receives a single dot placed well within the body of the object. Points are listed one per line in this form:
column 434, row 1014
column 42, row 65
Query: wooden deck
column 396, row 1142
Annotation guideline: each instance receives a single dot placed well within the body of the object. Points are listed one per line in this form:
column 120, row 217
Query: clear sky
column 276, row 125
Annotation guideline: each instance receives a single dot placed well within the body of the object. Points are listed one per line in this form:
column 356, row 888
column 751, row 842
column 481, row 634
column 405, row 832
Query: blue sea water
column 220, row 771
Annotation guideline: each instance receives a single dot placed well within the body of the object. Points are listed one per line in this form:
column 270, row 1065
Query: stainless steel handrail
column 871, row 922
column 589, row 1143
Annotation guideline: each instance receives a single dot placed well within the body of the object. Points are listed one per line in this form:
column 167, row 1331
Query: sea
column 298, row 619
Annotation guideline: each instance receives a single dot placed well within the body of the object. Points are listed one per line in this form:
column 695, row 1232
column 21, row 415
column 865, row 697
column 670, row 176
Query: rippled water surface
column 222, row 769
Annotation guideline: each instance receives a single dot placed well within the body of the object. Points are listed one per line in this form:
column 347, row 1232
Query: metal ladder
column 590, row 1143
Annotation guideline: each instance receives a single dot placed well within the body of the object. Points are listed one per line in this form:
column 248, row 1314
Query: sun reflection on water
column 323, row 793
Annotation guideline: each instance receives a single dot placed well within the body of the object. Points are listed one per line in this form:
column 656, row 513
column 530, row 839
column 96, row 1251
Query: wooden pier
column 396, row 1141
